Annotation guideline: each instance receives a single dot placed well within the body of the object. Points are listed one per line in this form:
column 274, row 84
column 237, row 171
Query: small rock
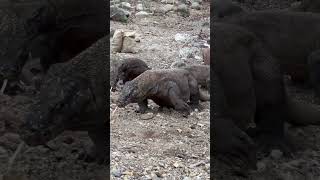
column 166, row 8
column 160, row 174
column 126, row 5
column 139, row 7
column 261, row 166
column 198, row 1
column 142, row 14
column 179, row 130
column 176, row 165
column 116, row 172
column 179, row 37
column 186, row 52
column 146, row 116
column 168, row 1
column 195, row 5
column 118, row 14
column 276, row 154
column 183, row 10
column 186, row 178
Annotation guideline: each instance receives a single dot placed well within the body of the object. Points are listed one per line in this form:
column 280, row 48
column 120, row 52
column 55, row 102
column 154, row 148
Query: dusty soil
column 305, row 163
column 167, row 145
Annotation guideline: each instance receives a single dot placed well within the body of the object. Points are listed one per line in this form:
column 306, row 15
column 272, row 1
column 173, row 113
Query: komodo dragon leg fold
column 194, row 92
column 178, row 103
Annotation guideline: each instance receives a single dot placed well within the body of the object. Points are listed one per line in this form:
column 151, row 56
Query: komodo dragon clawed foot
column 235, row 149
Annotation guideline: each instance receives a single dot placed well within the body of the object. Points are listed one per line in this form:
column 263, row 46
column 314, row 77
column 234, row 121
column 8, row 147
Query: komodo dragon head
column 130, row 93
column 61, row 102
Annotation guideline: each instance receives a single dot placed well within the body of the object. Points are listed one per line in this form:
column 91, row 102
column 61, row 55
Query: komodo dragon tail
column 223, row 8
column 302, row 113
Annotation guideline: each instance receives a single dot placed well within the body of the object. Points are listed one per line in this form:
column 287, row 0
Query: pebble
column 147, row 116
column 168, row 1
column 118, row 14
column 116, row 172
column 276, row 154
column 142, row 14
column 179, row 37
column 126, row 5
column 261, row 166
column 183, row 10
column 195, row 5
column 139, row 7
column 166, row 8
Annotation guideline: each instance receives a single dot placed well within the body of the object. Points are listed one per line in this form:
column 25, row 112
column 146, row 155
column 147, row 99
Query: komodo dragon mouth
column 61, row 101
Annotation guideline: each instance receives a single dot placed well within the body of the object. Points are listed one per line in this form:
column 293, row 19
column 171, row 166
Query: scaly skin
column 73, row 96
column 167, row 88
column 288, row 37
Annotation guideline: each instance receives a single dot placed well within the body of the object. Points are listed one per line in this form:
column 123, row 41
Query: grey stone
column 276, row 154
column 142, row 14
column 126, row 5
column 183, row 10
column 118, row 14
column 139, row 7
column 166, row 8
column 195, row 5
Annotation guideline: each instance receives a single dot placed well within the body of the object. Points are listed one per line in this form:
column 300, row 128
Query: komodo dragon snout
column 57, row 110
column 129, row 94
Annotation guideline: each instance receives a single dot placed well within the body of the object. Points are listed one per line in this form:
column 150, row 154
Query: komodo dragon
column 247, row 86
column 201, row 74
column 73, row 96
column 166, row 87
column 286, row 35
column 129, row 69
column 60, row 29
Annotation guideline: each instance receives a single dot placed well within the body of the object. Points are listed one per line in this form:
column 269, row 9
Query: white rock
column 126, row 5
column 179, row 37
column 166, row 8
column 142, row 14
column 139, row 7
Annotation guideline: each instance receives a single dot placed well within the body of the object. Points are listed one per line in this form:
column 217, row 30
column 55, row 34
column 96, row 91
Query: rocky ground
column 161, row 144
column 305, row 163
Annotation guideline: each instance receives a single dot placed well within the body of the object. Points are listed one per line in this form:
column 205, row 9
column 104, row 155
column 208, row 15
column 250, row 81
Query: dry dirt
column 166, row 146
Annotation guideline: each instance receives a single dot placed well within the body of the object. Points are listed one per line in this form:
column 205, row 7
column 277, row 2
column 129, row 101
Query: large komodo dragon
column 247, row 86
column 286, row 35
column 167, row 88
column 60, row 29
column 73, row 96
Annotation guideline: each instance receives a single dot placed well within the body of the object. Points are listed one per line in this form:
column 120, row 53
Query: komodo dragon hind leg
column 174, row 95
column 194, row 92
